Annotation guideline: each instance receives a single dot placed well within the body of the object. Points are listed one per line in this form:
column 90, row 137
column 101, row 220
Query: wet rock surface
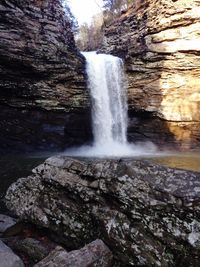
column 159, row 43
column 42, row 77
column 148, row 215
column 95, row 254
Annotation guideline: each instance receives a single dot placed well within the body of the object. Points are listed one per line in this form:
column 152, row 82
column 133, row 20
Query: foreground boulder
column 147, row 214
column 96, row 254
column 8, row 258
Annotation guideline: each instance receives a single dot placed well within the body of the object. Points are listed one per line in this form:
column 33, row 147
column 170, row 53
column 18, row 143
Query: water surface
column 13, row 167
column 188, row 161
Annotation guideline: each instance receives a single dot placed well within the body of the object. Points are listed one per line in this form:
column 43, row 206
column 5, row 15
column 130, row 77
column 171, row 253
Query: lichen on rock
column 146, row 214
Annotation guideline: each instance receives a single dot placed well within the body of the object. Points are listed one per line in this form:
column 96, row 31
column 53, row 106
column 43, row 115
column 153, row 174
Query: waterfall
column 106, row 83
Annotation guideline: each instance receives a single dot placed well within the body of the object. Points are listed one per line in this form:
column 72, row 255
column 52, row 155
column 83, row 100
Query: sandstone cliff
column 159, row 40
column 42, row 79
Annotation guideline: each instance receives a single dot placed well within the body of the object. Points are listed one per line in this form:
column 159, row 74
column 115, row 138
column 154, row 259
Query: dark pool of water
column 13, row 167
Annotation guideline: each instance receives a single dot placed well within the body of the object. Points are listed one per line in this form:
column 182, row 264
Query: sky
column 83, row 10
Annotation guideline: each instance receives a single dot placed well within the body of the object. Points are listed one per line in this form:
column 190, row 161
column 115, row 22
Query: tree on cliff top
column 73, row 21
column 116, row 6
column 113, row 9
column 90, row 36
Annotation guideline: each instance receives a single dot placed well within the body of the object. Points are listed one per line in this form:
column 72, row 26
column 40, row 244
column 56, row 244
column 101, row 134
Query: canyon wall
column 160, row 43
column 43, row 96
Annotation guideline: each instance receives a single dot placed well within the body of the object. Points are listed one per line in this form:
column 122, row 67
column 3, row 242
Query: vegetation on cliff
column 90, row 36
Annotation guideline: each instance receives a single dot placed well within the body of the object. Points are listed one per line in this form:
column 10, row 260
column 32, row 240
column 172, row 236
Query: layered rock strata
column 42, row 79
column 160, row 43
column 148, row 215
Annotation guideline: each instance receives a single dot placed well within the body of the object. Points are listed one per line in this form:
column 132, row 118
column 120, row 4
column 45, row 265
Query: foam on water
column 113, row 150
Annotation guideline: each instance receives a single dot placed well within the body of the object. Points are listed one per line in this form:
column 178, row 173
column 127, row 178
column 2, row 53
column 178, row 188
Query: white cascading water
column 109, row 108
column 107, row 85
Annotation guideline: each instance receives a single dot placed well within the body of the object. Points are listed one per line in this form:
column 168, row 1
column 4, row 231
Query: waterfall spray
column 107, row 85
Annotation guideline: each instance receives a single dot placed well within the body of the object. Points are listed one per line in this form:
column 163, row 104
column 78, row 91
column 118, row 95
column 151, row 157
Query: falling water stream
column 109, row 109
column 107, row 85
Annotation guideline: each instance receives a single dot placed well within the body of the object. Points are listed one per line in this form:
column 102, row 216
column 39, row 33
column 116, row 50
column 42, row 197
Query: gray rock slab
column 6, row 222
column 8, row 258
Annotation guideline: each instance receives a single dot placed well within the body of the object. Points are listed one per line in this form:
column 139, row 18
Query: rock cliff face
column 148, row 215
column 159, row 40
column 43, row 94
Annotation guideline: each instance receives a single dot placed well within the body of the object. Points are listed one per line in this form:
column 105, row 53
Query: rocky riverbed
column 24, row 245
